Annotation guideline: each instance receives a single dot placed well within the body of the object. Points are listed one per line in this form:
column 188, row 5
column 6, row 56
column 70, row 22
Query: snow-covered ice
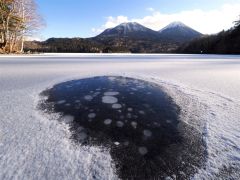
column 35, row 146
column 61, row 102
column 67, row 119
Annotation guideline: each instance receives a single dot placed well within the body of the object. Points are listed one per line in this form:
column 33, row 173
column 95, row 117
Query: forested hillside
column 126, row 37
column 225, row 42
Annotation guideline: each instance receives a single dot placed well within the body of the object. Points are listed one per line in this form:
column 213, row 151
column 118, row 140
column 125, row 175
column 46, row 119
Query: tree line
column 225, row 42
column 19, row 19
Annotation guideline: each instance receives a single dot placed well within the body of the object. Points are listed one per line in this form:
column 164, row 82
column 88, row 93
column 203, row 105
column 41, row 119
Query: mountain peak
column 179, row 32
column 129, row 29
column 176, row 24
column 129, row 23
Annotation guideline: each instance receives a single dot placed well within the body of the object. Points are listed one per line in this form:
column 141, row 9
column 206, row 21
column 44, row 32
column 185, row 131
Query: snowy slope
column 35, row 146
column 131, row 30
column 176, row 24
column 179, row 32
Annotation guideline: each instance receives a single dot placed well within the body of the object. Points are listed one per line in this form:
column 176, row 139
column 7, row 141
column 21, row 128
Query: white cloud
column 150, row 9
column 34, row 38
column 207, row 22
column 110, row 23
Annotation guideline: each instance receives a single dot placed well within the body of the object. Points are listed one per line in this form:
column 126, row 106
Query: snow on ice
column 34, row 146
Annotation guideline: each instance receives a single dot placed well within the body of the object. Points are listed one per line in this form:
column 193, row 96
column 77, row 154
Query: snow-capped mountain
column 130, row 30
column 179, row 32
column 126, row 37
column 176, row 24
column 176, row 32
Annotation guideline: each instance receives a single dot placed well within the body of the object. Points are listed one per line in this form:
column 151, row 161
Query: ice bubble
column 146, row 105
column 140, row 87
column 142, row 150
column 109, row 100
column 111, row 93
column 96, row 93
column 88, row 97
column 116, row 106
column 168, row 178
column 147, row 133
column 107, row 121
column 135, row 116
column 134, row 124
column 141, row 112
column 67, row 119
column 157, row 124
column 129, row 115
column 120, row 124
column 77, row 101
column 91, row 115
column 61, row 102
column 168, row 121
column 130, row 109
column 67, row 104
column 126, row 143
column 117, row 143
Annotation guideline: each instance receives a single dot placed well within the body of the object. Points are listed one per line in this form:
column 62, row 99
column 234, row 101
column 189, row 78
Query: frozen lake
column 35, row 145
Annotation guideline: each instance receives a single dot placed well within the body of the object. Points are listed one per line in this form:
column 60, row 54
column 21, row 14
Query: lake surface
column 201, row 90
column 136, row 120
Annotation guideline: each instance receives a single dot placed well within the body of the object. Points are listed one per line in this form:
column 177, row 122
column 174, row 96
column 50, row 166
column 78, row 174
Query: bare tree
column 18, row 20
column 7, row 8
column 237, row 23
column 31, row 20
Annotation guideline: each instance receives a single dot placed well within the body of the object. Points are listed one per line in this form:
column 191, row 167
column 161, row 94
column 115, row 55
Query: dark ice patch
column 135, row 119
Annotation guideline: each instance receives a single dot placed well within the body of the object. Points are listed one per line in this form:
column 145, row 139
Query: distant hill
column 126, row 37
column 225, row 42
column 179, row 32
column 64, row 45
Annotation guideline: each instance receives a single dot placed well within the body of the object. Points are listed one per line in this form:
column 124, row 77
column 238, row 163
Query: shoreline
column 113, row 55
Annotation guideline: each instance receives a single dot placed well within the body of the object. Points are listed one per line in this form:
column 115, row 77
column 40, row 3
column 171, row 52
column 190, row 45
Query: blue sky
column 85, row 18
